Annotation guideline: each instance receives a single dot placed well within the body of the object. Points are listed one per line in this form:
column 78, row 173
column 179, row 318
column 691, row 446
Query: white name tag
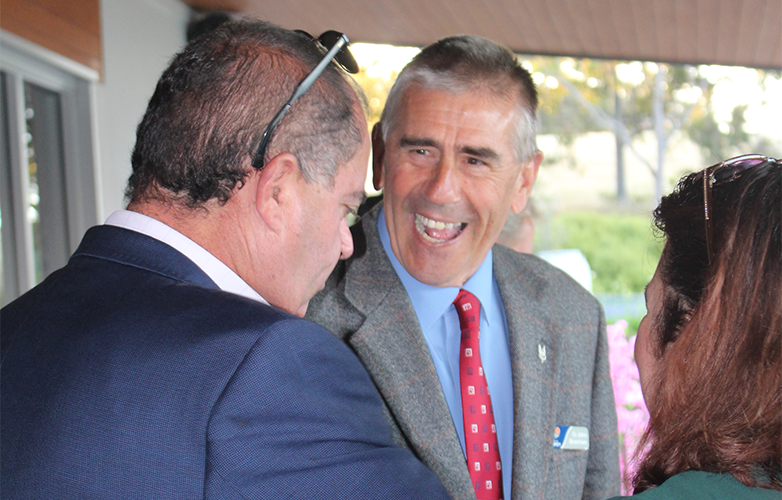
column 571, row 437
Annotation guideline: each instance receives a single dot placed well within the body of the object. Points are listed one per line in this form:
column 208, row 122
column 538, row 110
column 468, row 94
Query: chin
column 436, row 268
column 433, row 279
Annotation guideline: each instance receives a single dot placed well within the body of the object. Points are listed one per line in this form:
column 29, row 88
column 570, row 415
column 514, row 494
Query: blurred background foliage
column 621, row 249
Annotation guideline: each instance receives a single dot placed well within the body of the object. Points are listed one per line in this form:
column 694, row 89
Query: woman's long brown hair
column 716, row 403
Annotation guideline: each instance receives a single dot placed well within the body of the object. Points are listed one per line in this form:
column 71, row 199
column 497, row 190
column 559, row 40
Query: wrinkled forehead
column 476, row 117
column 498, row 86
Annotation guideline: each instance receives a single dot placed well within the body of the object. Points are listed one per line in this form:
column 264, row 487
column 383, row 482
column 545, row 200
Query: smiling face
column 450, row 177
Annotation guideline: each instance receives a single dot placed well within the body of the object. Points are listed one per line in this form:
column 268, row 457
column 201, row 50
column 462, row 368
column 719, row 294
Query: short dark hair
column 213, row 102
column 717, row 389
column 463, row 63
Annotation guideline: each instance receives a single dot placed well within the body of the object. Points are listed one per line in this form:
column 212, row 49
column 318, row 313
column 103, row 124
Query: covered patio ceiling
column 728, row 32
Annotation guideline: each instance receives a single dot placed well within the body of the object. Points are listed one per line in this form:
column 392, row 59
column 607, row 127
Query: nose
column 346, row 239
column 441, row 188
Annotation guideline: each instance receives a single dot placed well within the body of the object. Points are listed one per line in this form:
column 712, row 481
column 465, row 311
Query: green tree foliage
column 715, row 145
column 583, row 95
column 622, row 250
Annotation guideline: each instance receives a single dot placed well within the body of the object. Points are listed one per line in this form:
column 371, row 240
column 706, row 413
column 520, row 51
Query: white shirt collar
column 221, row 274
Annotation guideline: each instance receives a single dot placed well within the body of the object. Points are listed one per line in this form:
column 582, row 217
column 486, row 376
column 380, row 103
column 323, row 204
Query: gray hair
column 466, row 63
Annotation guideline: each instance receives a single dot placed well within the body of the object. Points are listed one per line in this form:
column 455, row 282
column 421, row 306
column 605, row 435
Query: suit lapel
column 533, row 362
column 392, row 346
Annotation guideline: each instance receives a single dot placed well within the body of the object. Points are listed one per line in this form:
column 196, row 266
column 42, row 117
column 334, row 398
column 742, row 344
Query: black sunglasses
column 335, row 44
column 725, row 171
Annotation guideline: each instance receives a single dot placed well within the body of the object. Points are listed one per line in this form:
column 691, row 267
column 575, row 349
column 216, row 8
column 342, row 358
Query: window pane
column 47, row 211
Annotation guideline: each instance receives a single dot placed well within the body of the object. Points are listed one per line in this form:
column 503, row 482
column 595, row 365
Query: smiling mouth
column 435, row 231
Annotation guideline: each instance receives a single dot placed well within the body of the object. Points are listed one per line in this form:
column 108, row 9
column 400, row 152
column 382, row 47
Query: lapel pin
column 542, row 353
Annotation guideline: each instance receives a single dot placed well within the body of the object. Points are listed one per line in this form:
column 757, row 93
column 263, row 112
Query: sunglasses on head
column 726, row 171
column 335, row 46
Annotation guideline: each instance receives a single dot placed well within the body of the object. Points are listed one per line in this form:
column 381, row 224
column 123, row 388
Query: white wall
column 139, row 39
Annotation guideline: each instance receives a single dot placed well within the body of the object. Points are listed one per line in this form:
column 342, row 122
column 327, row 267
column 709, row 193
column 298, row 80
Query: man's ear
column 527, row 177
column 276, row 189
column 378, row 150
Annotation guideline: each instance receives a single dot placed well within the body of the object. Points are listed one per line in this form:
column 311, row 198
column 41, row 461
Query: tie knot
column 468, row 307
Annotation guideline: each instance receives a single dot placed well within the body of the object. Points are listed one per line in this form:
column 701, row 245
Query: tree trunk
column 659, row 130
column 621, row 188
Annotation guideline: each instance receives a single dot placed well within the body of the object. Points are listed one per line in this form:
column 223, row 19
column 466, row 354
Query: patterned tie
column 480, row 434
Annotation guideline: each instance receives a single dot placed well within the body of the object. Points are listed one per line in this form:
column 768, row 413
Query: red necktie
column 480, row 434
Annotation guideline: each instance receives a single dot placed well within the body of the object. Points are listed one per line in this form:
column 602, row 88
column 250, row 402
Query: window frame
column 23, row 62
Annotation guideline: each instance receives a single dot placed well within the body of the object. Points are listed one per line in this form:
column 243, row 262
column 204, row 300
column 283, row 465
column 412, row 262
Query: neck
column 248, row 233
column 215, row 228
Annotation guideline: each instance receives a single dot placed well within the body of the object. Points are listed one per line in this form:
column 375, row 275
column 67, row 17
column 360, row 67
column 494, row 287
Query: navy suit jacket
column 130, row 374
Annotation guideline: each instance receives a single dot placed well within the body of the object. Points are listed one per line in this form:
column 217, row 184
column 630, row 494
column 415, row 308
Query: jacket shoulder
column 537, row 275
column 331, row 308
column 357, row 285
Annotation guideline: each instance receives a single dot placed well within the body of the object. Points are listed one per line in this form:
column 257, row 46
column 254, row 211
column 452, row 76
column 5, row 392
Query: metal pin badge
column 542, row 353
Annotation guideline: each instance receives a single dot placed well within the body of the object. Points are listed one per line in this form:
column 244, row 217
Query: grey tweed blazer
column 365, row 304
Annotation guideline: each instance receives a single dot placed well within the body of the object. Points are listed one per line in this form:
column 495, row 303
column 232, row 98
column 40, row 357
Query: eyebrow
column 478, row 152
column 408, row 141
column 486, row 153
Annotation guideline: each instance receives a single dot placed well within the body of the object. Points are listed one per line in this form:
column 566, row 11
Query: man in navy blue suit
column 169, row 359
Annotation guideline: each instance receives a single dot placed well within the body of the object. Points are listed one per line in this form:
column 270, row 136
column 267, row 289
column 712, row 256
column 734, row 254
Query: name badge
column 571, row 437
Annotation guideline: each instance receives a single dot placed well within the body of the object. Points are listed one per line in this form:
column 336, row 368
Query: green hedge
column 622, row 250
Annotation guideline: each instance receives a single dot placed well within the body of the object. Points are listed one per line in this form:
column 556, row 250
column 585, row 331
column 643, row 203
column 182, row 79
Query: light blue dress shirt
column 440, row 324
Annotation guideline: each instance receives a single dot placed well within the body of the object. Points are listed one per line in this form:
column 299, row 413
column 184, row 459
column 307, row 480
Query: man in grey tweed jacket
column 454, row 153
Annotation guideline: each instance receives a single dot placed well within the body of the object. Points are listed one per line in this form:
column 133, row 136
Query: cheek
column 644, row 355
column 335, row 232
column 324, row 232
column 640, row 340
column 404, row 178
column 491, row 197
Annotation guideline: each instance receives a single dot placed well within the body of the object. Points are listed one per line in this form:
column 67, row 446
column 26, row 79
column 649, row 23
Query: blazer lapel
column 392, row 346
column 533, row 361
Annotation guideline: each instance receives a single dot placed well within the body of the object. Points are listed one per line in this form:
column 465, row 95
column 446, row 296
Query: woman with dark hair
column 709, row 350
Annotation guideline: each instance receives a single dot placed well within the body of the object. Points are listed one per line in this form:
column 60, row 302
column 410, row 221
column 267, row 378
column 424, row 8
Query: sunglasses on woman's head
column 722, row 172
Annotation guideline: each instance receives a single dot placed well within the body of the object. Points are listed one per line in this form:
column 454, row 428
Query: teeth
column 433, row 224
column 421, row 222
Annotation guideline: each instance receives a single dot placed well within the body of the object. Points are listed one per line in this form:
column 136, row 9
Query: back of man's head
column 468, row 63
column 213, row 103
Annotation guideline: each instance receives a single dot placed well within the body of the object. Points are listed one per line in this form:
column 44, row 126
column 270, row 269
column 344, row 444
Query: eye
column 421, row 151
column 475, row 161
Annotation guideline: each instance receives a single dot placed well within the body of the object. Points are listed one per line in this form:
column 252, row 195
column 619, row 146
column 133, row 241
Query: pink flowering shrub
column 631, row 411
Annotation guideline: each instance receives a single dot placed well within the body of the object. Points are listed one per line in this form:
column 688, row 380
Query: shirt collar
column 431, row 302
column 223, row 276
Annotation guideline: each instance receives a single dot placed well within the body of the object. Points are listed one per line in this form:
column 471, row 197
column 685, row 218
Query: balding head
column 212, row 104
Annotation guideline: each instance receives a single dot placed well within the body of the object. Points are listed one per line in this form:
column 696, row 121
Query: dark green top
column 697, row 485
